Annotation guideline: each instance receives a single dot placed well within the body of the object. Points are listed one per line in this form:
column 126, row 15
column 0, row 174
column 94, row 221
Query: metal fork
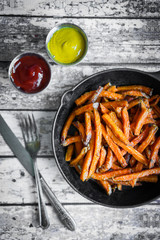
column 32, row 144
column 28, row 126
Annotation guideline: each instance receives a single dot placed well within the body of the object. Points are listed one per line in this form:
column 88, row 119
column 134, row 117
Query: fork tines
column 29, row 128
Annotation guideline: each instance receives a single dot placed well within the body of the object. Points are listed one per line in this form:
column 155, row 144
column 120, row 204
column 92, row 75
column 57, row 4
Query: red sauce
column 30, row 74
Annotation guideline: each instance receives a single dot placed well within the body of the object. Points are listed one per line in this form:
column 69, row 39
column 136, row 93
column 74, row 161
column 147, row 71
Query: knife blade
column 17, row 148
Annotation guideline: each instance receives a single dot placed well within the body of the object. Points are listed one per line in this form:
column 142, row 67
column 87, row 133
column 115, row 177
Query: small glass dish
column 29, row 73
column 72, row 26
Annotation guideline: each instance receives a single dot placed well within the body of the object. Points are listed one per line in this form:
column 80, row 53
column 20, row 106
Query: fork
column 64, row 216
column 32, row 144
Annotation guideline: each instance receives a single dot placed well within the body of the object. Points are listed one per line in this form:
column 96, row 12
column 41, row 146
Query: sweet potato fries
column 118, row 140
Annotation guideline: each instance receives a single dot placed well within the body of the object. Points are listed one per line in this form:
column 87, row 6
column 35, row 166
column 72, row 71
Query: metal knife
column 27, row 162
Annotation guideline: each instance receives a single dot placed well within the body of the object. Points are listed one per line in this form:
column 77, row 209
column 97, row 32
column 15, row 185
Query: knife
column 25, row 159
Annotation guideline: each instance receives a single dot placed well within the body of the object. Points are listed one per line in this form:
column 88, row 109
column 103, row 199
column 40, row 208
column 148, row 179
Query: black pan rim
column 53, row 142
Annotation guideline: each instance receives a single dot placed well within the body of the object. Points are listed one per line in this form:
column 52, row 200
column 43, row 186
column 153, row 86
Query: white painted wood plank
column 110, row 40
column 44, row 122
column 63, row 79
column 81, row 8
column 93, row 222
column 17, row 186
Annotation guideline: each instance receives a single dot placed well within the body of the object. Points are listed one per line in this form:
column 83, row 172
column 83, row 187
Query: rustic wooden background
column 121, row 33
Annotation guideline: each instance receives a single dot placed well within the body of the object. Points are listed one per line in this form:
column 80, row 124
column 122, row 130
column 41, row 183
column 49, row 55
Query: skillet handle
column 66, row 97
column 155, row 74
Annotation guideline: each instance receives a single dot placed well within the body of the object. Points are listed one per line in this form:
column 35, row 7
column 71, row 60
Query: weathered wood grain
column 63, row 79
column 44, row 122
column 110, row 40
column 17, row 186
column 93, row 222
column 81, row 8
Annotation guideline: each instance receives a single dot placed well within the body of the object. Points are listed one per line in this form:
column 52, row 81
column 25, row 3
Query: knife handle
column 62, row 212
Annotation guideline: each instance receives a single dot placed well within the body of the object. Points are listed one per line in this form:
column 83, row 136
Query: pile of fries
column 115, row 139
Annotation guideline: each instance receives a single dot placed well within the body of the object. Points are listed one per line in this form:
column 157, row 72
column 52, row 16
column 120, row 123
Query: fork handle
column 43, row 216
column 62, row 212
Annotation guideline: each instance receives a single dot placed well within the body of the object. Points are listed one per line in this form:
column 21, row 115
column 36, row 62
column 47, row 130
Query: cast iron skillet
column 91, row 190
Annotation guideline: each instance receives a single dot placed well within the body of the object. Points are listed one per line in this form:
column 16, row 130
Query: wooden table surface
column 123, row 34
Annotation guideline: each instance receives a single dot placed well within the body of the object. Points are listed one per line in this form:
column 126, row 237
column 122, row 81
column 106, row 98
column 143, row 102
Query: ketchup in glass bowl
column 30, row 73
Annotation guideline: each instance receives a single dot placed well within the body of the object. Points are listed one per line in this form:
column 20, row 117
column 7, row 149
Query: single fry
column 105, row 99
column 108, row 162
column 112, row 181
column 112, row 89
column 87, row 160
column 98, row 140
column 113, row 116
column 138, row 175
column 138, row 167
column 79, row 157
column 117, row 131
column 154, row 152
column 104, row 109
column 102, row 156
column 135, row 118
column 109, row 159
column 146, row 142
column 69, row 153
column 107, row 86
column 81, row 129
column 140, row 137
column 88, row 128
column 114, row 104
column 111, row 95
column 82, row 99
column 118, row 111
column 126, row 183
column 134, row 93
column 148, row 152
column 144, row 89
column 125, row 121
column 151, row 178
column 111, row 174
column 86, row 108
column 140, row 121
column 134, row 103
column 71, row 140
column 95, row 95
column 67, row 126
